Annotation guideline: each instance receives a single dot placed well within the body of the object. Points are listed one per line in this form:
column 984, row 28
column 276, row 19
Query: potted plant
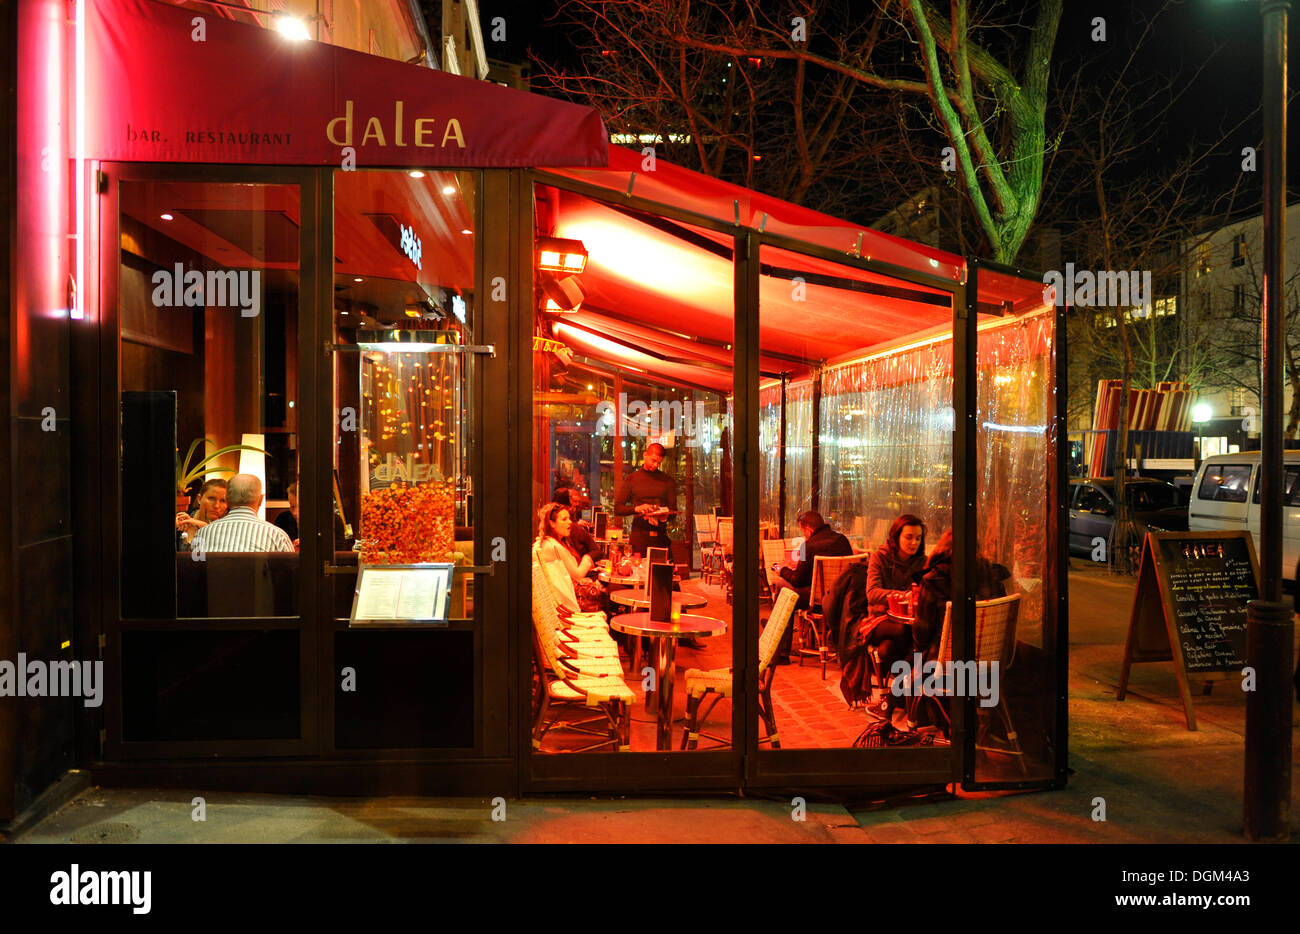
column 187, row 473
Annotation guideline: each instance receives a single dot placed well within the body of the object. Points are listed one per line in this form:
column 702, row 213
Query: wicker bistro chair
column 775, row 551
column 812, row 622
column 706, row 538
column 571, row 680
column 719, row 682
column 723, row 549
column 995, row 641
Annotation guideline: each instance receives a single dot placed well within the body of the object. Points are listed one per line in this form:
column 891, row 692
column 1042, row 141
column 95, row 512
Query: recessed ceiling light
column 358, row 279
column 417, row 174
column 466, row 230
column 166, row 217
column 448, row 189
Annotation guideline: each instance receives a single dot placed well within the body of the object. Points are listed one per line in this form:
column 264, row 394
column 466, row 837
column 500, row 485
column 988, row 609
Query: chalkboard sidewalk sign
column 1190, row 607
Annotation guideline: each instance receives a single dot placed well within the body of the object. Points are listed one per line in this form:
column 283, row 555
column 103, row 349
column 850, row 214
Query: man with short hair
column 240, row 529
column 652, row 495
column 818, row 539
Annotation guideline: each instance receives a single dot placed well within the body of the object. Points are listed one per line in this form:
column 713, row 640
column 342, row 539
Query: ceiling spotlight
column 559, row 255
column 448, row 189
column 466, row 231
column 292, row 28
column 416, row 173
column 166, row 217
column 358, row 279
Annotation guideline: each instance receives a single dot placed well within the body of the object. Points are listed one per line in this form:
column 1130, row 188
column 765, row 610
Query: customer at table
column 288, row 519
column 211, row 507
column 651, row 495
column 895, row 567
column 240, row 529
column 580, row 537
column 554, row 548
column 819, row 539
column 936, row 591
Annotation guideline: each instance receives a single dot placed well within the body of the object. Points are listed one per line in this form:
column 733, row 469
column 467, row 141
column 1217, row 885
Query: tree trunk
column 1122, row 531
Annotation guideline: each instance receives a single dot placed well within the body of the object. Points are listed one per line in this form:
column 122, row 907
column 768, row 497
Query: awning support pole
column 816, row 493
column 781, row 495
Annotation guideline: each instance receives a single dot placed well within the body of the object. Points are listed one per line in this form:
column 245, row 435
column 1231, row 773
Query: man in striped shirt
column 240, row 529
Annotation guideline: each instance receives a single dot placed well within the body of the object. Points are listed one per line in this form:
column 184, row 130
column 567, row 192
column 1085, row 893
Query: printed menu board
column 394, row 594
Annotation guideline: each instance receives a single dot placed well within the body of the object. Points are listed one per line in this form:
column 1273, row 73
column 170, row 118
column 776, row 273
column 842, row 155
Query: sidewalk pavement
column 1159, row 783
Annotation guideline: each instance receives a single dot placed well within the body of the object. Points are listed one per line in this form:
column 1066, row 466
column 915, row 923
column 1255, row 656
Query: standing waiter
column 652, row 495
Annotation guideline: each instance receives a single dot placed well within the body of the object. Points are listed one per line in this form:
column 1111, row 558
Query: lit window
column 1202, row 260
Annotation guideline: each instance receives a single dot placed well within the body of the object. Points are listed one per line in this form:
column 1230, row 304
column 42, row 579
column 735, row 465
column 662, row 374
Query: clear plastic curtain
column 798, row 453
column 886, row 443
column 769, row 453
column 705, row 448
column 1015, row 399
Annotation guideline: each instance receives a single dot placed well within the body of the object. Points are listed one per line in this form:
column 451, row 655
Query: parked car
column 1154, row 506
column 1226, row 496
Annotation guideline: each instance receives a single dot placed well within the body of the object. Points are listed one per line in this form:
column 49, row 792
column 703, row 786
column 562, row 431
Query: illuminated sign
column 411, row 245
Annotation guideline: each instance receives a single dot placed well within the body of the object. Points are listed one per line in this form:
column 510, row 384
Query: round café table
column 665, row 636
column 619, row 580
column 641, row 600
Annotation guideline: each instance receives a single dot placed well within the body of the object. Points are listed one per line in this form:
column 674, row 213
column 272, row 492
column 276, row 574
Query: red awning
column 166, row 84
column 665, row 183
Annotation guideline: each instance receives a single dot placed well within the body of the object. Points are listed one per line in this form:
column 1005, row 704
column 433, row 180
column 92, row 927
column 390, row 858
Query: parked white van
column 1226, row 496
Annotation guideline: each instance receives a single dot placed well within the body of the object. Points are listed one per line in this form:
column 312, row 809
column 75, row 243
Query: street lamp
column 1200, row 415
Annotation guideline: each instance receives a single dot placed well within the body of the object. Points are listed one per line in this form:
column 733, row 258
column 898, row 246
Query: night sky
column 1226, row 35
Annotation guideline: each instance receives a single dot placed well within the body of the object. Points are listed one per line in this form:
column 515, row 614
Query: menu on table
column 402, row 593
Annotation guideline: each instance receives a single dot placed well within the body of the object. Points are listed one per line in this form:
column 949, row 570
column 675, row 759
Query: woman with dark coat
column 936, row 591
column 894, row 568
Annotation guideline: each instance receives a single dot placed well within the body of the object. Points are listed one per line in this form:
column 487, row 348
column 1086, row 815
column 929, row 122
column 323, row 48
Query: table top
column 607, row 578
column 688, row 626
column 686, row 601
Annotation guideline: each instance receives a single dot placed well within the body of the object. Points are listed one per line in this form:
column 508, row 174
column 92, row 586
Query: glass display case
column 410, row 451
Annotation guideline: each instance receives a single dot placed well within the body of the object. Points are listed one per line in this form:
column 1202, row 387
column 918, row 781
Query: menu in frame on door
column 399, row 594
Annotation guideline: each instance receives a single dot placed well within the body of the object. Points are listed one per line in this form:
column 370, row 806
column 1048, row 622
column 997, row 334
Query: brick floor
column 810, row 711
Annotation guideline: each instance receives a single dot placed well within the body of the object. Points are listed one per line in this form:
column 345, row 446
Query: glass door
column 634, row 588
column 405, row 371
column 205, row 312
column 855, row 412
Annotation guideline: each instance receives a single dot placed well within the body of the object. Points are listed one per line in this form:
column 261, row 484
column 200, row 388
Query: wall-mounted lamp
column 292, row 28
column 557, row 255
column 563, row 296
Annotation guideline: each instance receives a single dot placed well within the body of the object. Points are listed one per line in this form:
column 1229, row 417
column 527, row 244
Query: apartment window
column 1167, row 306
column 1239, row 250
column 1202, row 260
column 1238, row 299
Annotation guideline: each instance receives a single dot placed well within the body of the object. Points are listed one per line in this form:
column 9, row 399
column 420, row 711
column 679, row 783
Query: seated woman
column 894, row 568
column 936, row 591
column 556, row 552
column 210, row 508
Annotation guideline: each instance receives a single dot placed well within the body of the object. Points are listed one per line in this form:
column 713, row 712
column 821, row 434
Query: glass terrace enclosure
column 626, row 404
